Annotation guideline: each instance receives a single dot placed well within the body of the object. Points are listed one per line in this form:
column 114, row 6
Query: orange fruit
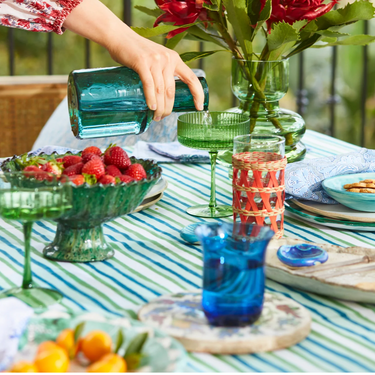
column 54, row 359
column 23, row 366
column 46, row 345
column 95, row 345
column 66, row 341
column 108, row 363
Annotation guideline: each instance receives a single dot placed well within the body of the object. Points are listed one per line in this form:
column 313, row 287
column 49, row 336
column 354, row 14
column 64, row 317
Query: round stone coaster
column 188, row 233
column 283, row 323
column 302, row 255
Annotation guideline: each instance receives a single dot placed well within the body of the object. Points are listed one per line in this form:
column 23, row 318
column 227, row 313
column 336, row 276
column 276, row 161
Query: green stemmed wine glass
column 213, row 131
column 29, row 197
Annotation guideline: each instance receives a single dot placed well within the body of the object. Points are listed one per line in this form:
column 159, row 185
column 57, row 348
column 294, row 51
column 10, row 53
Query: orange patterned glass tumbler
column 258, row 180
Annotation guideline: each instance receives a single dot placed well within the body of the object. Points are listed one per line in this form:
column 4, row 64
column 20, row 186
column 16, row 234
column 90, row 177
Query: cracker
column 369, row 181
column 359, row 185
column 362, row 190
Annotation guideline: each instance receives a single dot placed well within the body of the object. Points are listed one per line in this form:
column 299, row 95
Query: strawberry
column 53, row 167
column 91, row 150
column 59, row 160
column 112, row 171
column 124, row 178
column 136, row 171
column 69, row 160
column 90, row 156
column 117, row 156
column 107, row 179
column 94, row 167
column 77, row 179
column 73, row 169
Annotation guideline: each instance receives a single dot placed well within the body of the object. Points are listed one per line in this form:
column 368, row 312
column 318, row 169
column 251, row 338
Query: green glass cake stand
column 26, row 199
column 79, row 235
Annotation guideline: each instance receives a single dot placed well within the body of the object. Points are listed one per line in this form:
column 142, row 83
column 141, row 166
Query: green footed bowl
column 79, row 235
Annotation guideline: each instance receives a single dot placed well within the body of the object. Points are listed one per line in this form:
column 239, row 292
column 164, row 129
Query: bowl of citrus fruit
column 93, row 343
column 105, row 185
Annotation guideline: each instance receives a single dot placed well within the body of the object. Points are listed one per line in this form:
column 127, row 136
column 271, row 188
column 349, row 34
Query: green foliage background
column 69, row 54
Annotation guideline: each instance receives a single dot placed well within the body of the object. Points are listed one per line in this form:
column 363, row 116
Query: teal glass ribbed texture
column 109, row 102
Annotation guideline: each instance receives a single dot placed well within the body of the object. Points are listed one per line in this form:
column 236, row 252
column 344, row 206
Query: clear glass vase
column 259, row 85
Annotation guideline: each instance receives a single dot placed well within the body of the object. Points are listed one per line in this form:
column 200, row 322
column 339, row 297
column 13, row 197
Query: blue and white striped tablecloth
column 151, row 260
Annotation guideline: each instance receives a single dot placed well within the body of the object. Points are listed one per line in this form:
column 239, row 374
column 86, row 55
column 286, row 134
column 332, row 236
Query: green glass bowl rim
column 243, row 117
column 153, row 164
column 44, row 185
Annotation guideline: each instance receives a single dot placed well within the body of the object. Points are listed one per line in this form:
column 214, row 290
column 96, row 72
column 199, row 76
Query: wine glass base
column 35, row 297
column 206, row 211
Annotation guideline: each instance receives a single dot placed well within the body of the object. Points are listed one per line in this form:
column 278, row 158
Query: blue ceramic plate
column 334, row 187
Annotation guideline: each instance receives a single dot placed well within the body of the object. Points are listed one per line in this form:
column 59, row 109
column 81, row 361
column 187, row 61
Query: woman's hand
column 155, row 64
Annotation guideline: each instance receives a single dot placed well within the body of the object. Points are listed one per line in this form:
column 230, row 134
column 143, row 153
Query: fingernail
column 153, row 107
column 157, row 119
column 200, row 107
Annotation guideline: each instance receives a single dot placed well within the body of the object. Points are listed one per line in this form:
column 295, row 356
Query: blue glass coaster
column 188, row 233
column 303, row 255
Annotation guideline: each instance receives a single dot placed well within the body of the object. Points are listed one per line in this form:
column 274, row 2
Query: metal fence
column 301, row 97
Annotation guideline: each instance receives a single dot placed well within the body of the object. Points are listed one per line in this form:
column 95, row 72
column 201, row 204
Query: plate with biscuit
column 356, row 191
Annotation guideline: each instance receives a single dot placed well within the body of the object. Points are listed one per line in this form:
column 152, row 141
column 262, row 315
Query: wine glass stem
column 213, row 157
column 27, row 282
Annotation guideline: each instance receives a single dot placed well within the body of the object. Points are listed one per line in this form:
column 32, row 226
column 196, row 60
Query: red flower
column 181, row 12
column 291, row 11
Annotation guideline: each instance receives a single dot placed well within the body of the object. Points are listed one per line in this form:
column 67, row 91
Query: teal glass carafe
column 108, row 102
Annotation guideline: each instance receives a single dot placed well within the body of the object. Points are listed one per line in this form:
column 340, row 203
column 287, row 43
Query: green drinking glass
column 212, row 132
column 29, row 197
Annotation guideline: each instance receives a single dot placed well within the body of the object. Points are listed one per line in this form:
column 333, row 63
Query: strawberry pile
column 111, row 167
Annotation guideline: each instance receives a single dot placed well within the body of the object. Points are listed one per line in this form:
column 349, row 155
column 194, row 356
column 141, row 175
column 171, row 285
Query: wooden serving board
column 283, row 323
column 349, row 282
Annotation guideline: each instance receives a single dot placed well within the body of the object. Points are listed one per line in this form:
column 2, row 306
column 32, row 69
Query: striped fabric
column 151, row 260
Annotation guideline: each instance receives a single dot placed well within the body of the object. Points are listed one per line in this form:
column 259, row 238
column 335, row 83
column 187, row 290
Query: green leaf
column 133, row 361
column 78, row 331
column 158, row 30
column 328, row 39
column 90, row 178
column 266, row 11
column 136, row 345
column 151, row 12
column 197, row 32
column 212, row 7
column 119, row 341
column 264, row 16
column 172, row 42
column 191, row 56
column 237, row 16
column 354, row 40
column 331, row 34
column 305, row 44
column 282, row 33
column 253, row 10
column 299, row 24
column 359, row 10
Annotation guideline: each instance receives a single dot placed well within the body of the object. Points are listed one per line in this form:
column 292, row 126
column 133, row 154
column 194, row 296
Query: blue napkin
column 14, row 316
column 303, row 179
column 172, row 152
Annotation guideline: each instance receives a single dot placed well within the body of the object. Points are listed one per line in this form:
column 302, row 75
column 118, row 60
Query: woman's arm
column 155, row 64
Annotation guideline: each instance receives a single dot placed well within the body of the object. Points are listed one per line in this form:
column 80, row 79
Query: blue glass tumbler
column 233, row 272
column 108, row 102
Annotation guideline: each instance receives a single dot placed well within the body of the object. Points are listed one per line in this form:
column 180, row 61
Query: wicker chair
column 26, row 103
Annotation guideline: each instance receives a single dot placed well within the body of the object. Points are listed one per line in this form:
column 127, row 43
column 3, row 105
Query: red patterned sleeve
column 36, row 15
